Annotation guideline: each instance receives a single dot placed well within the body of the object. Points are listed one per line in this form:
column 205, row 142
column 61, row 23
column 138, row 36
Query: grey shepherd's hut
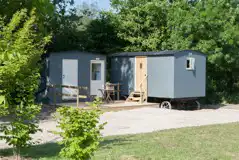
column 74, row 68
column 166, row 74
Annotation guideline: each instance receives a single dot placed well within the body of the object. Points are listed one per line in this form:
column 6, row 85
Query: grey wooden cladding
column 168, row 75
column 56, row 68
column 161, row 76
column 189, row 83
column 122, row 71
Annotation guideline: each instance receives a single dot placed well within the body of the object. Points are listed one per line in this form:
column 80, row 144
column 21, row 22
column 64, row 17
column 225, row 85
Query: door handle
column 63, row 76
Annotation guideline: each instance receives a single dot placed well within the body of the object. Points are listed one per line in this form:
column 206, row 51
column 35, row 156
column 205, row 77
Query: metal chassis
column 179, row 102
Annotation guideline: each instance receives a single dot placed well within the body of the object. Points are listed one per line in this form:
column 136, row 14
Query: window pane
column 96, row 71
column 188, row 63
column 141, row 65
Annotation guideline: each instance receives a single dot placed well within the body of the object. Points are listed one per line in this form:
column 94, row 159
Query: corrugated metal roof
column 132, row 54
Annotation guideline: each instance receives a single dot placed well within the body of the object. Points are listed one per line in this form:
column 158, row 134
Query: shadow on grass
column 39, row 151
column 49, row 150
column 111, row 142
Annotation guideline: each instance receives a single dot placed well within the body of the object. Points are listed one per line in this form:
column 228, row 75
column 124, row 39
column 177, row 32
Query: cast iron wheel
column 166, row 104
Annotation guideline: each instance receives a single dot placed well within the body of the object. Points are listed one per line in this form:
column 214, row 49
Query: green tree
column 21, row 47
column 9, row 7
column 91, row 30
column 44, row 11
column 207, row 25
column 100, row 34
column 123, row 5
column 63, row 26
column 142, row 24
column 211, row 27
column 52, row 16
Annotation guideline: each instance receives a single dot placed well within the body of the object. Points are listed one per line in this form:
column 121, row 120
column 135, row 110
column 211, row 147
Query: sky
column 102, row 4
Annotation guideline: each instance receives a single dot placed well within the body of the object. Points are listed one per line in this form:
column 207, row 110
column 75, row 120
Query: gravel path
column 147, row 120
column 154, row 119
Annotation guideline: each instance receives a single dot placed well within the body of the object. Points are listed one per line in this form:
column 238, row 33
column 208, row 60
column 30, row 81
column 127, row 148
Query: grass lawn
column 217, row 142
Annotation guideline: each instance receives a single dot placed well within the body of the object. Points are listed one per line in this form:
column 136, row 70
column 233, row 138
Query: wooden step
column 135, row 96
column 133, row 99
column 137, row 93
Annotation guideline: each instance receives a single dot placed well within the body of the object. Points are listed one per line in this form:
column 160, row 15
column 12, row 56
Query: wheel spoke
column 166, row 104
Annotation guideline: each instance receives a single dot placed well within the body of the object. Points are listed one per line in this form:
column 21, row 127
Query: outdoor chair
column 107, row 92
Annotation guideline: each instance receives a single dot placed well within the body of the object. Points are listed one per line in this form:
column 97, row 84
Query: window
column 96, row 71
column 141, row 66
column 190, row 64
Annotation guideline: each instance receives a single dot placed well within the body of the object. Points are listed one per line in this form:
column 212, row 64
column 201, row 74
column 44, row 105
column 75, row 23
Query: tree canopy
column 207, row 25
column 211, row 27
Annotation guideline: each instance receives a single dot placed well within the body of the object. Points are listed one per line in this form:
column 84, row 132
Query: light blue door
column 69, row 77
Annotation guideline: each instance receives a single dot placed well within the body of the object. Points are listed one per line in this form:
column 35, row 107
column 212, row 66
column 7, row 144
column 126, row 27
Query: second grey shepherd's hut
column 166, row 74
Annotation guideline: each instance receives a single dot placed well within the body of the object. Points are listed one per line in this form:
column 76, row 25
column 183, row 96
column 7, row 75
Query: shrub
column 80, row 131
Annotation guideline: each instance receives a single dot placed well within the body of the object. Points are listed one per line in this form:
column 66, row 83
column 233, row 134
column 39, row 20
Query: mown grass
column 216, row 142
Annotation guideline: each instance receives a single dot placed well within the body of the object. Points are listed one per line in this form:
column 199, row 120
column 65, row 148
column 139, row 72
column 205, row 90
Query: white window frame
column 96, row 62
column 191, row 63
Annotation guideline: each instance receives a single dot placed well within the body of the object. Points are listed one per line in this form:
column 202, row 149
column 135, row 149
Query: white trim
column 103, row 77
column 99, row 62
column 191, row 63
